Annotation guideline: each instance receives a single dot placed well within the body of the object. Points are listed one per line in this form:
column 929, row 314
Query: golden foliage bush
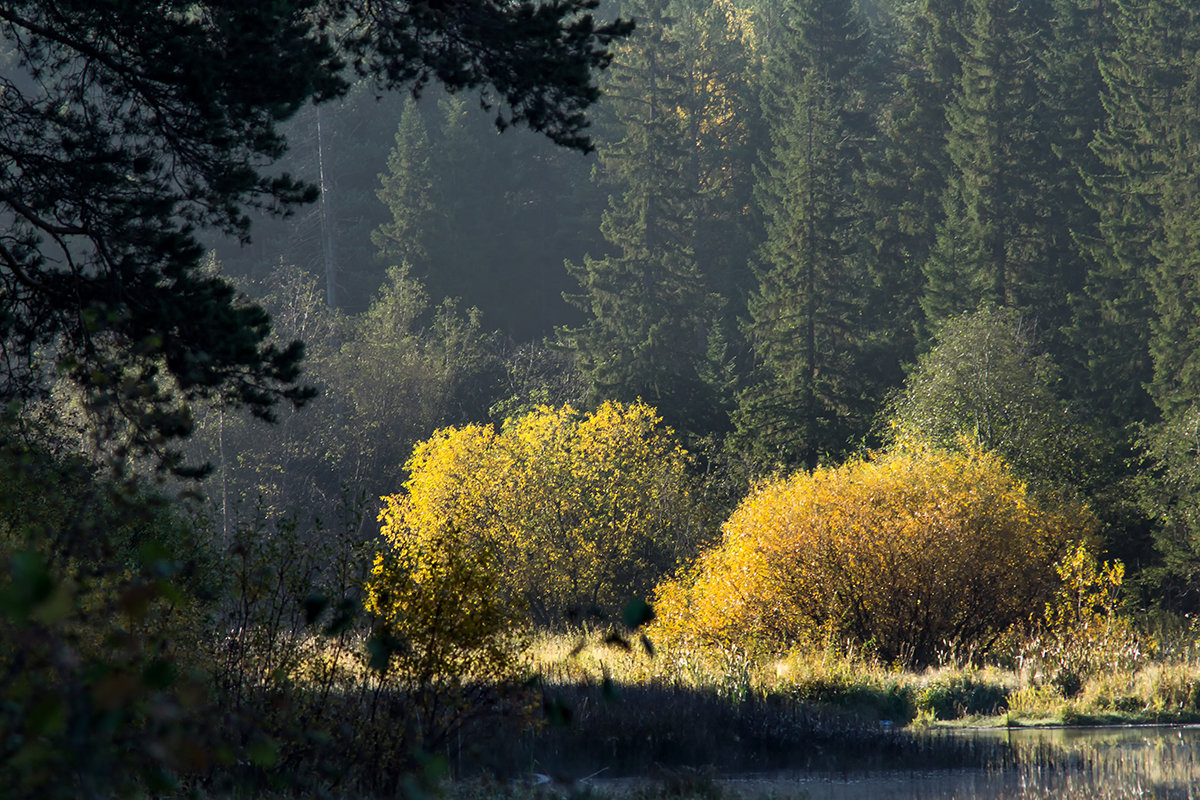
column 559, row 512
column 906, row 553
column 1083, row 631
column 444, row 634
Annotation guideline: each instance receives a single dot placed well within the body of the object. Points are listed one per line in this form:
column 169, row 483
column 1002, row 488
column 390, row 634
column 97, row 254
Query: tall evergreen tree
column 906, row 172
column 470, row 214
column 999, row 242
column 408, row 193
column 912, row 165
column 1113, row 316
column 806, row 397
column 1162, row 164
column 723, row 126
column 1071, row 112
column 649, row 306
column 483, row 217
column 1175, row 331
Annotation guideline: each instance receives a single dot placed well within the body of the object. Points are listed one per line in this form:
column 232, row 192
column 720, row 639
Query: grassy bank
column 677, row 723
column 1159, row 684
column 608, row 716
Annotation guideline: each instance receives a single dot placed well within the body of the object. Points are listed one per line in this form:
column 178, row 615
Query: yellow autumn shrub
column 436, row 592
column 904, row 552
column 577, row 513
column 445, row 632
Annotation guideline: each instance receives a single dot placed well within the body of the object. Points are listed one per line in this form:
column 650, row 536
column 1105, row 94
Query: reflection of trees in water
column 826, row 760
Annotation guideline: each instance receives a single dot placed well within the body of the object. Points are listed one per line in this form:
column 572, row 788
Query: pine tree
column 999, row 242
column 806, row 399
column 408, row 192
column 649, row 307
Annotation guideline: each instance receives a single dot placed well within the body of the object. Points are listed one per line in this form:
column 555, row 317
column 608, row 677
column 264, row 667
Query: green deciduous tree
column 987, row 384
column 388, row 378
column 1170, row 492
column 284, row 467
column 411, row 367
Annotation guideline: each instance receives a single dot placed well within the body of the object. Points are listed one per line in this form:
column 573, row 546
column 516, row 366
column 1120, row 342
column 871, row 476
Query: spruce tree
column 999, row 242
column 1070, row 110
column 407, row 191
column 1113, row 315
column 806, row 399
column 1168, row 132
column 723, row 127
column 469, row 191
column 906, row 173
column 1175, row 330
column 485, row 218
column 649, row 307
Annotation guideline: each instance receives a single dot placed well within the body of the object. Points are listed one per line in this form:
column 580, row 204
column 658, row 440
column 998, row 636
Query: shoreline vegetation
column 618, row 722
column 631, row 725
column 299, row 695
column 1162, row 688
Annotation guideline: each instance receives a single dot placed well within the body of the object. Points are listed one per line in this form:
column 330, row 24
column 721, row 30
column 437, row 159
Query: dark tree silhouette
column 127, row 130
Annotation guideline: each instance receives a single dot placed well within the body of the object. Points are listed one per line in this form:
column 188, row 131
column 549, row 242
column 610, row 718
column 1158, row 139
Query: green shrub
column 958, row 696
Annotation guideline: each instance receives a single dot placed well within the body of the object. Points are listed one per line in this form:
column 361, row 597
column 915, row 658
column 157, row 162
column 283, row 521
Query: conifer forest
column 367, row 368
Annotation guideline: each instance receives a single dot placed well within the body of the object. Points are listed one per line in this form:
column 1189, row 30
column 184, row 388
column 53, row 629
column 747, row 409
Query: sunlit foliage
column 444, row 632
column 1083, row 631
column 906, row 552
column 563, row 513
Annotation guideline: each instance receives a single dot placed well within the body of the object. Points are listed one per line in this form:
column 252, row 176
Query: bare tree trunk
column 331, row 299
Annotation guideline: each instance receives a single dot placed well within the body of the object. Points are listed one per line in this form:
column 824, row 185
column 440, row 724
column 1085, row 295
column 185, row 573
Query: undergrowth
column 1162, row 684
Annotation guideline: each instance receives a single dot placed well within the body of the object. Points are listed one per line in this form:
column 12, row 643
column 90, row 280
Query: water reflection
column 1084, row 763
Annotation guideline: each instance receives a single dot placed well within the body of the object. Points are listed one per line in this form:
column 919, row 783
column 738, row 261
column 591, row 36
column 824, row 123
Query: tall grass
column 609, row 707
column 1160, row 684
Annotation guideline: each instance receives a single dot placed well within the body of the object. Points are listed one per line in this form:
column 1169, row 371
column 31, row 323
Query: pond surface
column 1083, row 763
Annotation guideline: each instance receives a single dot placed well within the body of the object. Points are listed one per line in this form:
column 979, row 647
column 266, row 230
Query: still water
column 1073, row 763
